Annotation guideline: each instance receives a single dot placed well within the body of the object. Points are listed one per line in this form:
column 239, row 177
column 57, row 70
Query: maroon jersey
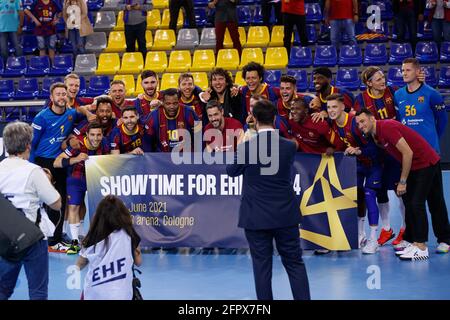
column 382, row 107
column 194, row 103
column 267, row 92
column 143, row 104
column 81, row 130
column 45, row 13
column 311, row 137
column 389, row 132
column 77, row 170
column 229, row 139
column 125, row 142
column 118, row 110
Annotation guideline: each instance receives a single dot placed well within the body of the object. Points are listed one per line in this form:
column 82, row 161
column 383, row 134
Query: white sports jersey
column 110, row 272
column 27, row 187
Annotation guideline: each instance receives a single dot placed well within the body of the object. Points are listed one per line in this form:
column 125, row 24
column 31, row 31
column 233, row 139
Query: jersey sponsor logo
column 36, row 126
column 311, row 134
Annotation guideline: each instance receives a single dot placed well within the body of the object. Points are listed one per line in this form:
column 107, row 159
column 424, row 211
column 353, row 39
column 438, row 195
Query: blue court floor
column 339, row 275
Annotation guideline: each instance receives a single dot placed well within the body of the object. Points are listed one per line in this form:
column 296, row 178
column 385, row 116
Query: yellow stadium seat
column 251, row 54
column 277, row 37
column 228, row 43
column 164, row 40
column 160, row 4
column 169, row 80
column 276, row 58
column 156, row 61
column 228, row 59
column 148, row 39
column 258, row 36
column 201, row 79
column 129, row 83
column 119, row 22
column 204, row 60
column 132, row 63
column 179, row 61
column 116, row 42
column 239, row 80
column 108, row 63
column 153, row 19
column 165, row 20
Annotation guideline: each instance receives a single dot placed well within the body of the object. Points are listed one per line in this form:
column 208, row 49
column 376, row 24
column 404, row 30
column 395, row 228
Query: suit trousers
column 288, row 245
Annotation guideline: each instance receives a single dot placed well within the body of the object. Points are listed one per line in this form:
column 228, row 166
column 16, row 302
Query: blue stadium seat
column 7, row 90
column 348, row 78
column 28, row 24
column 445, row 52
column 200, row 17
column 300, row 57
column 395, row 77
column 98, row 85
column 38, row 66
column 83, row 89
column 2, row 66
column 60, row 26
column 313, row 13
column 325, row 55
column 302, row 78
column 430, row 75
column 363, row 15
column 444, row 77
column 399, row 52
column 15, row 67
column 28, row 88
column 311, row 33
column 257, row 18
column 62, row 65
column 427, row 52
column 46, row 83
column 272, row 77
column 424, row 32
column 350, row 55
column 244, row 15
column 94, row 5
column 375, row 54
column 29, row 43
column 202, row 3
column 386, row 9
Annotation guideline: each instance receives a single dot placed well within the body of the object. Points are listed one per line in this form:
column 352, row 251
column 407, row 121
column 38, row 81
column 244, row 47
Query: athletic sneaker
column 362, row 240
column 319, row 252
column 402, row 245
column 415, row 254
column 371, row 247
column 385, row 236
column 58, row 248
column 405, row 250
column 74, row 248
column 442, row 248
column 399, row 237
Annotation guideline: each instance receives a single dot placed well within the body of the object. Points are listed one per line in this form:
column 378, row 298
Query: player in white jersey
column 111, row 247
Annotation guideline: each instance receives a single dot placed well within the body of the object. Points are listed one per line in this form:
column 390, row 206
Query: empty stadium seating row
column 28, row 88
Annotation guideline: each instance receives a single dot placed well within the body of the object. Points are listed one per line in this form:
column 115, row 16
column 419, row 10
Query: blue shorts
column 76, row 190
column 369, row 176
column 45, row 42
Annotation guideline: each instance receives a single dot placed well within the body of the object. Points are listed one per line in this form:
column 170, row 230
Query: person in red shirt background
column 294, row 14
column 342, row 16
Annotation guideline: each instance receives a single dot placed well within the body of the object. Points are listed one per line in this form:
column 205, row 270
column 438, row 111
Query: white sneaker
column 408, row 247
column 401, row 246
column 415, row 254
column 442, row 248
column 362, row 240
column 371, row 247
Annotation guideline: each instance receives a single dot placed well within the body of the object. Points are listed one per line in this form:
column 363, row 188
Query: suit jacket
column 268, row 201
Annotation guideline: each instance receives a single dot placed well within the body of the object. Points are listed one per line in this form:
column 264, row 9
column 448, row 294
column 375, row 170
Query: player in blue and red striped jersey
column 322, row 84
column 379, row 99
column 152, row 97
column 163, row 124
column 253, row 74
column 369, row 166
column 94, row 143
column 128, row 137
column 311, row 137
column 189, row 93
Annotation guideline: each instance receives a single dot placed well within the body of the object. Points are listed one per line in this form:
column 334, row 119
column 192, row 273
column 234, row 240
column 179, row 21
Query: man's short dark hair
column 289, row 79
column 213, row 104
column 170, row 92
column 130, row 108
column 94, row 125
column 253, row 66
column 323, row 71
column 299, row 101
column 104, row 99
column 148, row 73
column 264, row 112
column 336, row 96
column 415, row 62
column 364, row 111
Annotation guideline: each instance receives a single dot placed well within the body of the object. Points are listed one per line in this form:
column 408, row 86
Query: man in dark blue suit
column 269, row 209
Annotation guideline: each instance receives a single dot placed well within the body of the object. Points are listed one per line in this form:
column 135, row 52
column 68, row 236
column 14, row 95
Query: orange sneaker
column 385, row 236
column 399, row 237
